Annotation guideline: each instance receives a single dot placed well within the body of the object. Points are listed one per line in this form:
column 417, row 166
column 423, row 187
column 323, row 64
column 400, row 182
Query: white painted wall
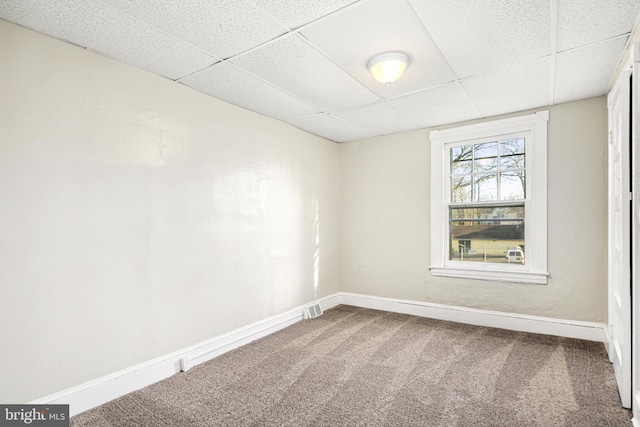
column 139, row 217
column 385, row 246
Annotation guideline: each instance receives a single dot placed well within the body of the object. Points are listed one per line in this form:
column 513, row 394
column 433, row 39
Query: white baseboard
column 636, row 410
column 607, row 340
column 102, row 390
column 496, row 319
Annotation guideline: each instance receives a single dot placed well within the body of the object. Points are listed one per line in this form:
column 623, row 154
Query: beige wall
column 385, row 208
column 140, row 217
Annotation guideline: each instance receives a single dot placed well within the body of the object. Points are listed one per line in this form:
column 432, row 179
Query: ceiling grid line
column 442, row 56
column 147, row 24
column 337, row 64
column 270, row 16
column 305, row 63
column 272, row 85
column 425, row 30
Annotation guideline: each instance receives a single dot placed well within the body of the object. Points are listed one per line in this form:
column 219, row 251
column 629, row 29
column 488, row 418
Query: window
column 465, row 246
column 489, row 201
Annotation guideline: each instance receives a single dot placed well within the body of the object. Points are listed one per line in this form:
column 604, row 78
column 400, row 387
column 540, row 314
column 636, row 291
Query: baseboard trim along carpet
column 516, row 322
column 636, row 405
column 102, row 390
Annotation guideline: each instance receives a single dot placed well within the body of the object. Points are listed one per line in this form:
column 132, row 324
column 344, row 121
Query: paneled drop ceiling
column 304, row 62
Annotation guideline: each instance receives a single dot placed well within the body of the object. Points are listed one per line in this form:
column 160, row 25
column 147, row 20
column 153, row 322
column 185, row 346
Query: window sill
column 492, row 275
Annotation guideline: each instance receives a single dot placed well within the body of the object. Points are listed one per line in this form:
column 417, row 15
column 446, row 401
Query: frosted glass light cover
column 388, row 67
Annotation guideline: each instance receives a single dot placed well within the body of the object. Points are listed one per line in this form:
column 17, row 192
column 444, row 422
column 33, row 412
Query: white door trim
column 635, row 227
column 619, row 234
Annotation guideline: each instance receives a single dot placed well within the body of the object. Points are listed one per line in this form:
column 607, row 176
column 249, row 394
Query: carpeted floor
column 354, row 366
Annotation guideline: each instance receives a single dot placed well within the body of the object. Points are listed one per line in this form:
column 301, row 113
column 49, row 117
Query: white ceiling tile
column 378, row 119
column 517, row 88
column 223, row 27
column 329, row 127
column 226, row 82
column 499, row 53
column 582, row 22
column 352, row 37
column 585, row 72
column 440, row 105
column 296, row 67
column 295, row 13
column 486, row 35
column 109, row 32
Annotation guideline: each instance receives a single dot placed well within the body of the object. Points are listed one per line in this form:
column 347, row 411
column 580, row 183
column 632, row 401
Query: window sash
column 486, row 145
column 476, row 150
column 472, row 159
column 490, row 238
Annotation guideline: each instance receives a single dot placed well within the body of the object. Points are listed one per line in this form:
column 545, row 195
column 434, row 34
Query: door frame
column 634, row 119
column 619, row 206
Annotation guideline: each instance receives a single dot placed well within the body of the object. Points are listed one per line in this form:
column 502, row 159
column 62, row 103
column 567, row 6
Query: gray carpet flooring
column 354, row 366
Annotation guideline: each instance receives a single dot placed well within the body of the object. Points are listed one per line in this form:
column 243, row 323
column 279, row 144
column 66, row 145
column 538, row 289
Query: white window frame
column 535, row 268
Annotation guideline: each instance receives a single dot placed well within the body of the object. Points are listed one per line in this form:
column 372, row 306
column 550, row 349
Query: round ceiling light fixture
column 388, row 67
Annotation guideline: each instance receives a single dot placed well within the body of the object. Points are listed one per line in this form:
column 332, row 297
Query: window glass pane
column 486, row 150
column 512, row 146
column 463, row 152
column 464, row 166
column 461, row 159
column 512, row 186
column 486, row 187
column 515, row 161
column 461, row 188
column 486, row 157
column 489, row 234
column 487, row 165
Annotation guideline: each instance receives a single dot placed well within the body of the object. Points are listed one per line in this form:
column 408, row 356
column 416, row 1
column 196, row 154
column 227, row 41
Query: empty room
column 329, row 212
